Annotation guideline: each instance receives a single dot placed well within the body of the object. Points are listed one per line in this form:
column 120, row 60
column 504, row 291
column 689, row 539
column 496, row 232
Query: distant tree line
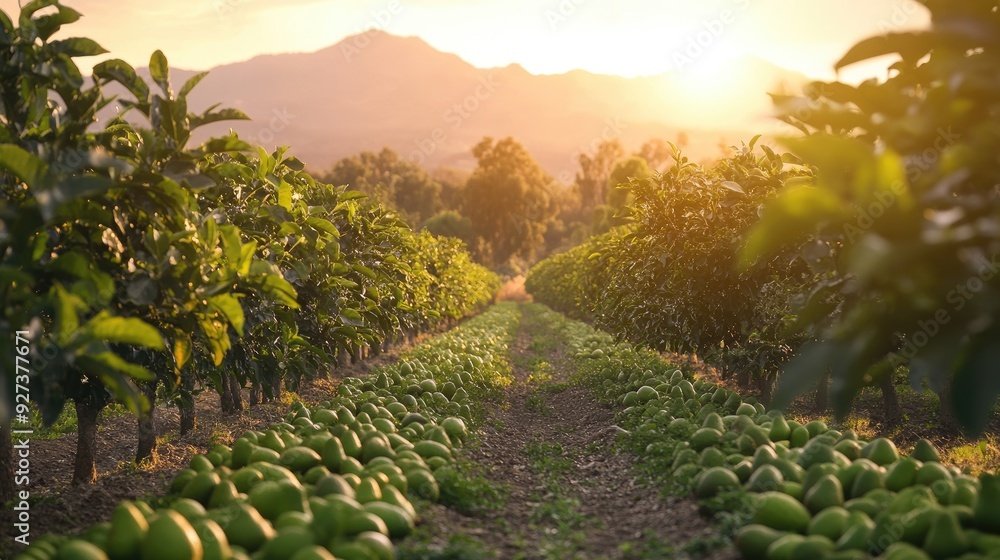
column 508, row 210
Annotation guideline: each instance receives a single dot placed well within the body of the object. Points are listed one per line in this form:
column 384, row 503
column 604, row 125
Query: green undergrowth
column 556, row 518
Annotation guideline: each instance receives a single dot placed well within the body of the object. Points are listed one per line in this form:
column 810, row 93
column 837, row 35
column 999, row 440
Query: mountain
column 377, row 89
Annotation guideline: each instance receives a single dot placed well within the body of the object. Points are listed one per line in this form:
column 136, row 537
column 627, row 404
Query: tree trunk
column 890, row 401
column 255, row 395
column 188, row 418
column 765, row 384
column 744, row 377
column 87, row 410
column 225, row 394
column 374, row 349
column 147, row 425
column 343, row 357
column 6, row 465
column 356, row 357
column 276, row 388
column 823, row 393
column 236, row 393
column 947, row 411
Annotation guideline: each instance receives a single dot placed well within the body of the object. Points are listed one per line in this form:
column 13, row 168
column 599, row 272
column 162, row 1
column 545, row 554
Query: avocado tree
column 508, row 201
column 905, row 206
column 56, row 295
column 397, row 183
column 669, row 278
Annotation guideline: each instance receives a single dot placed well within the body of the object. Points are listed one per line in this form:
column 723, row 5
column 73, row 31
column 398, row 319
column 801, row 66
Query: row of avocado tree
column 669, row 279
column 333, row 480
column 129, row 260
column 877, row 253
column 786, row 489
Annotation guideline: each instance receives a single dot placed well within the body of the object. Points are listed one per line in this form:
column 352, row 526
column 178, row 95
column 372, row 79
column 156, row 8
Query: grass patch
column 459, row 547
column 288, row 398
column 66, row 423
column 652, row 548
column 974, row 457
column 563, row 527
column 220, row 435
column 536, row 403
column 466, row 490
column 549, row 458
column 557, row 516
column 541, row 372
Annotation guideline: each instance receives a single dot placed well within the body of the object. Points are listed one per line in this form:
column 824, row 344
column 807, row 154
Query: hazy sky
column 626, row 37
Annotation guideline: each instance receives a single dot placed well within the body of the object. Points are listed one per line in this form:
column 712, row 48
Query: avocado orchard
column 867, row 251
column 799, row 490
column 337, row 480
column 669, row 279
column 134, row 260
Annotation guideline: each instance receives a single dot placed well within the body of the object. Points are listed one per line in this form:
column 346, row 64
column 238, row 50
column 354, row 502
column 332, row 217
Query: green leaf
column 280, row 291
column 284, row 195
column 218, row 116
column 159, row 70
column 108, row 363
column 222, row 145
column 48, row 24
column 733, row 186
column 794, row 214
column 910, row 45
column 124, row 330
column 29, row 9
column 351, row 195
column 182, row 352
column 67, row 308
column 232, row 244
column 229, row 306
column 190, row 84
column 247, row 253
column 25, row 166
column 351, row 317
column 977, row 382
column 71, row 188
column 323, row 225
column 367, row 272
column 78, row 46
column 803, row 372
column 117, row 70
column 301, row 269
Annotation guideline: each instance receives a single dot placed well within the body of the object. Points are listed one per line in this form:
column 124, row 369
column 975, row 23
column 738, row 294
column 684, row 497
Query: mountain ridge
column 377, row 89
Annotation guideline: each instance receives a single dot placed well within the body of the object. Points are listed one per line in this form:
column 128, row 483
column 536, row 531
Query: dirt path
column 570, row 494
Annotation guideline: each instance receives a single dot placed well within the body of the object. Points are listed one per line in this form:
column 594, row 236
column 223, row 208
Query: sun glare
column 710, row 78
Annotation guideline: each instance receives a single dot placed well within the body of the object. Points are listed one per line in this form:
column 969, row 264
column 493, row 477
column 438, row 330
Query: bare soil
column 615, row 513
